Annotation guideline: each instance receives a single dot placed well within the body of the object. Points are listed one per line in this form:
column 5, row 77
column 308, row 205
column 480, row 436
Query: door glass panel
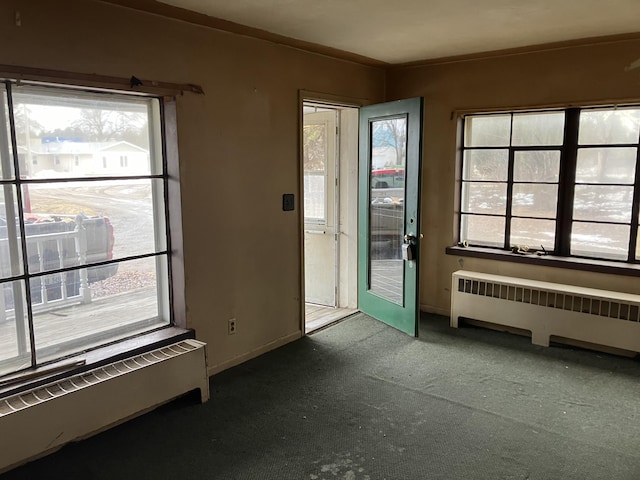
column 314, row 139
column 386, row 212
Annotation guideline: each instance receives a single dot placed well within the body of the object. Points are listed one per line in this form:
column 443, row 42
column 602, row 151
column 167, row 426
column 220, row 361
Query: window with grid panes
column 83, row 243
column 562, row 182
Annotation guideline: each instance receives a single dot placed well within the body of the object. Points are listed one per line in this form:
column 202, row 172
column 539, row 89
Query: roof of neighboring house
column 82, row 148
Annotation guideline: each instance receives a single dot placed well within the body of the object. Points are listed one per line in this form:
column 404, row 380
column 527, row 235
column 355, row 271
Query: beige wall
column 578, row 75
column 238, row 148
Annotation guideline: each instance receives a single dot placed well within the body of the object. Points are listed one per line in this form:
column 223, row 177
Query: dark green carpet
column 361, row 401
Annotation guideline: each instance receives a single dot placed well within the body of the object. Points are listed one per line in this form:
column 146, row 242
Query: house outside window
column 561, row 182
column 95, row 271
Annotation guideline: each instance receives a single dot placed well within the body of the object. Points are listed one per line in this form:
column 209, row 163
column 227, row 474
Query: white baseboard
column 213, row 369
column 432, row 309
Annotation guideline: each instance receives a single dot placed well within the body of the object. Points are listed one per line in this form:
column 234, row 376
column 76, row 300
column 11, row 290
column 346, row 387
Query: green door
column 389, row 212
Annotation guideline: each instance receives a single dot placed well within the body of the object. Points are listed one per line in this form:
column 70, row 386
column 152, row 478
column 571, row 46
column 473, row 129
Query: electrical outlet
column 232, row 326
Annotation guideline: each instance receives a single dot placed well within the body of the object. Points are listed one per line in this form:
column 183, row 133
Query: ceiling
column 404, row 31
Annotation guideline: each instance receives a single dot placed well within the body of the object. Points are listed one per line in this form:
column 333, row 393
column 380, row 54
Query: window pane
column 314, row 196
column 117, row 216
column 15, row 352
column 621, row 125
column 538, row 128
column 534, row 200
column 78, row 134
column 600, row 240
column 487, row 131
column 606, row 165
column 603, row 203
column 10, row 249
column 111, row 309
column 314, row 150
column 489, row 198
column 482, row 230
column 6, row 152
column 533, row 233
column 536, row 166
column 485, row 165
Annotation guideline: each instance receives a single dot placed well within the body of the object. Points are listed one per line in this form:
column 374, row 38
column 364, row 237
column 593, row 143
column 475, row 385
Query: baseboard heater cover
column 546, row 309
column 41, row 420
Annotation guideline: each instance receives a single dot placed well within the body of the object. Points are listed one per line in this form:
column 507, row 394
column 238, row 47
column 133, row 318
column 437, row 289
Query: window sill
column 99, row 357
column 583, row 264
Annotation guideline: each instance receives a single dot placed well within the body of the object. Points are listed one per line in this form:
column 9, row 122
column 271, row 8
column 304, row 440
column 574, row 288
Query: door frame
column 336, row 102
column 325, row 233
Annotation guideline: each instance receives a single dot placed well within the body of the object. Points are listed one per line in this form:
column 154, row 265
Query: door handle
column 410, row 238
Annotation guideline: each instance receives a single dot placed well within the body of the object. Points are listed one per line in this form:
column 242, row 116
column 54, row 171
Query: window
column 318, row 148
column 561, row 182
column 83, row 253
column 76, row 160
column 124, row 161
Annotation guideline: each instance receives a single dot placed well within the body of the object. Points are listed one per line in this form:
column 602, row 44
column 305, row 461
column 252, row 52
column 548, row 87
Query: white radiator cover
column 547, row 309
column 41, row 420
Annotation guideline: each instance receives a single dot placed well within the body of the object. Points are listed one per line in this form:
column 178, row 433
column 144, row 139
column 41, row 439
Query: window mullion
column 566, row 185
column 507, row 220
column 509, row 206
column 635, row 212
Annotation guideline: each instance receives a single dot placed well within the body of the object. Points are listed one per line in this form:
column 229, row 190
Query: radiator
column 41, row 420
column 546, row 309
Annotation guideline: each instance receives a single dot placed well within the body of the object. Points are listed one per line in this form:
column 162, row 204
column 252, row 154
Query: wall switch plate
column 288, row 202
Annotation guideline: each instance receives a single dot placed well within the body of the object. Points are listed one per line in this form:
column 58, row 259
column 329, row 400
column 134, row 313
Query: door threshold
column 319, row 316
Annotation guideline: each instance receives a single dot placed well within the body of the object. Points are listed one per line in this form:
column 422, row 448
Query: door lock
column 409, row 247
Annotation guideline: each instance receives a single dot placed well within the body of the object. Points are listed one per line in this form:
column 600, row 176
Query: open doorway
column 330, row 202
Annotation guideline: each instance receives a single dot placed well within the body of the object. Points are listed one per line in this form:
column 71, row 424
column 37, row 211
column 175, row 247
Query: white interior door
column 320, row 207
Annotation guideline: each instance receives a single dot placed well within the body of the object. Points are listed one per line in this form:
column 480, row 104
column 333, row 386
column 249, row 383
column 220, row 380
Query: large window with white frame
column 83, row 235
column 561, row 182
